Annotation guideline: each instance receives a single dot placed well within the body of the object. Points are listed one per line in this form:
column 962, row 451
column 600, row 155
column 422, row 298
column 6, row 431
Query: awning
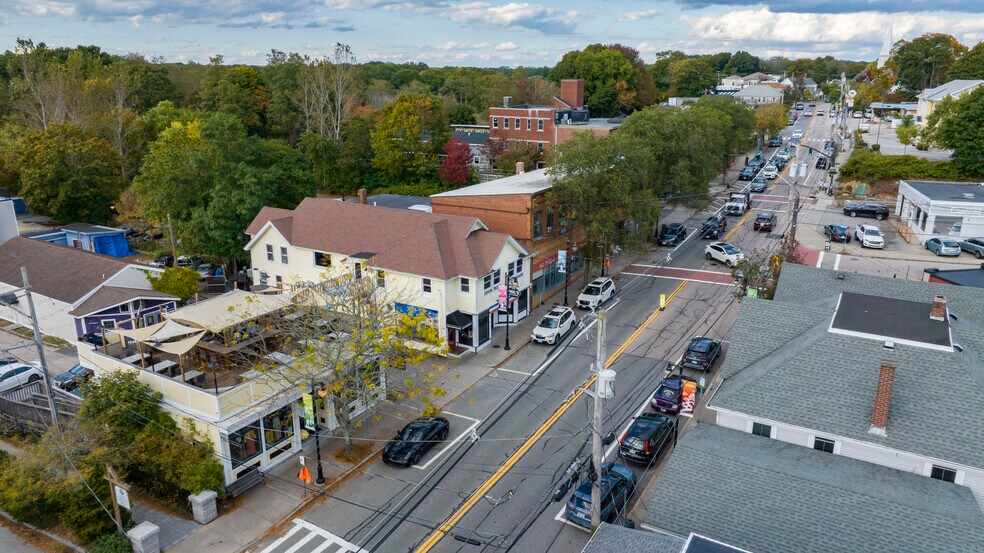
column 459, row 320
column 138, row 334
column 179, row 347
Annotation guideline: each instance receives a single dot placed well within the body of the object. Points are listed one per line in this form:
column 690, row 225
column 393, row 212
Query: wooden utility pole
column 597, row 456
column 115, row 482
column 174, row 247
column 41, row 357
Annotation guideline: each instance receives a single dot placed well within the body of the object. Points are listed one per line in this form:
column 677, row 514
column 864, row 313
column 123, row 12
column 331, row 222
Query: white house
column 449, row 267
column 732, row 82
column 929, row 209
column 953, row 89
column 760, row 94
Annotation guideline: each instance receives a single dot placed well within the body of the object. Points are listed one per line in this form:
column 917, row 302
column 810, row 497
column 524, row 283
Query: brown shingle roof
column 413, row 242
column 108, row 296
column 60, row 272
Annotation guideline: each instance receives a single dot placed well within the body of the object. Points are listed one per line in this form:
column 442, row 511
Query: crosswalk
column 305, row 537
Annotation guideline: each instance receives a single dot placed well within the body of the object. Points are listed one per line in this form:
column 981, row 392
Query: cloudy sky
column 481, row 33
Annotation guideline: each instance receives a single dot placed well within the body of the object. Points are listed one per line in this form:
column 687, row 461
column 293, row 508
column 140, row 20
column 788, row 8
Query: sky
column 483, row 33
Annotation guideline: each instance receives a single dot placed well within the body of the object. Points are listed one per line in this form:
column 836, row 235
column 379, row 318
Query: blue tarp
column 114, row 245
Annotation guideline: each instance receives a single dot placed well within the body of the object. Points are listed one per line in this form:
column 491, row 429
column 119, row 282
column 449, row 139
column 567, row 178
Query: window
column 539, row 125
column 539, row 146
column 322, row 259
column 152, row 318
column 824, row 445
column 280, row 281
column 537, row 225
column 944, row 474
column 492, row 280
column 278, row 426
column 107, row 323
column 425, row 286
column 505, row 122
column 550, row 220
column 358, row 271
column 529, row 124
column 381, row 279
column 562, row 220
column 517, row 123
column 283, row 255
column 515, row 268
column 476, row 160
column 245, row 444
column 495, row 122
column 269, row 250
column 760, row 429
column 465, row 285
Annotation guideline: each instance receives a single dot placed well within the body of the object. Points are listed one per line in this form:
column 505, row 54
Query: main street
column 517, row 430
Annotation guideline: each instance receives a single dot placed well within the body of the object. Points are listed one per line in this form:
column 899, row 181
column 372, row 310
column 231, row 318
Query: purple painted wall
column 93, row 323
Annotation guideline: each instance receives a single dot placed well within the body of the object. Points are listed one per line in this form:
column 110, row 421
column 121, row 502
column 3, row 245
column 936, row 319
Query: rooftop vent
column 938, row 311
column 841, row 276
column 507, row 101
column 889, row 345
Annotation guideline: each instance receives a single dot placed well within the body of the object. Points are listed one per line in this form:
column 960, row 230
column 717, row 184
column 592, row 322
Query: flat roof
column 889, row 319
column 529, row 182
column 960, row 277
column 969, row 192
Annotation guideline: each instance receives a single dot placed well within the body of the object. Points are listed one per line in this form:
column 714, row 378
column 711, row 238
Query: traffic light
column 809, row 152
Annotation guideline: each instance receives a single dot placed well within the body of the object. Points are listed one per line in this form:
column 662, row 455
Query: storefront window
column 245, row 444
column 278, row 426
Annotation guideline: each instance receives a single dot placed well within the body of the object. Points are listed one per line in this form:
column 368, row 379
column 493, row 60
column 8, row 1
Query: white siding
column 793, row 436
column 732, row 421
column 53, row 317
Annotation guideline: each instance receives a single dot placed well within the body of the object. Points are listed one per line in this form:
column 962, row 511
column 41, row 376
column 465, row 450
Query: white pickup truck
column 738, row 203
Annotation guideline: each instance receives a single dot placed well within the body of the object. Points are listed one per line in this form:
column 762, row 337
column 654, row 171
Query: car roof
column 646, row 424
column 700, row 339
column 557, row 311
column 764, row 215
column 599, row 280
column 674, row 226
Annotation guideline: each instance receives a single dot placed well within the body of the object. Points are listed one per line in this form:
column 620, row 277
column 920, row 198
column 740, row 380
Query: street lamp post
column 567, row 272
column 317, row 442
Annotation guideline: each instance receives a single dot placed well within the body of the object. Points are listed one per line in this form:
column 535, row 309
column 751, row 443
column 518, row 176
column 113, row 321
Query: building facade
column 927, row 209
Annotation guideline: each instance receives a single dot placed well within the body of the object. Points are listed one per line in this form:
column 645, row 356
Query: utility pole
column 596, row 423
column 41, row 359
column 174, row 248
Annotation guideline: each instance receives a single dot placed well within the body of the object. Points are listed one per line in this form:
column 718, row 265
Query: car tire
column 853, row 213
column 34, row 378
column 727, row 263
column 707, row 255
column 415, row 459
column 879, row 216
column 978, row 255
column 443, row 435
column 939, row 252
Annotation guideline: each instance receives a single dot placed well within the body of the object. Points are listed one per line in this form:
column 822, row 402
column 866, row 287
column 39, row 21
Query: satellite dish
column 852, row 93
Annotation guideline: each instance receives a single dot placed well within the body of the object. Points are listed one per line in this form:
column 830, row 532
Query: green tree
column 180, row 282
column 606, row 73
column 645, row 93
column 907, row 133
column 742, row 63
column 281, row 72
column 69, row 175
column 408, row 137
column 770, row 119
column 661, row 69
column 691, row 77
column 962, row 133
column 942, row 111
column 925, row 62
column 238, row 91
column 739, row 126
column 604, row 182
column 970, row 65
column 461, row 114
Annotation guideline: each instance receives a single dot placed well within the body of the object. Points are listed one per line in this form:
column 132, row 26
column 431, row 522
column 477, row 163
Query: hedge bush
column 871, row 166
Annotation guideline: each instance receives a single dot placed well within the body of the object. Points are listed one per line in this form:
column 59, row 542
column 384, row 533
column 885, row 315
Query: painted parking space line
column 820, row 260
column 837, row 262
column 468, row 432
column 512, row 371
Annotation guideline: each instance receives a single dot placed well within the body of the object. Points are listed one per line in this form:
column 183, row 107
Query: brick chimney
column 883, row 399
column 520, row 167
column 572, row 92
column 363, row 196
column 938, row 311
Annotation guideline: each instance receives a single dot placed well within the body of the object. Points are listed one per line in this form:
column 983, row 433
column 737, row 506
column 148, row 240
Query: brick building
column 547, row 125
column 518, row 206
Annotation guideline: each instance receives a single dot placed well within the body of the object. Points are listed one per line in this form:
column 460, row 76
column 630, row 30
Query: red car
column 764, row 221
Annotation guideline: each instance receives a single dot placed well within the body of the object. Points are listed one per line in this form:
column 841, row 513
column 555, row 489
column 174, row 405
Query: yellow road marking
column 738, row 224
column 477, row 496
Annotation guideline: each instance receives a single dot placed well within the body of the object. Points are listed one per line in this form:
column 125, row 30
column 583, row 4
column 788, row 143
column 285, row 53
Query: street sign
column 122, row 497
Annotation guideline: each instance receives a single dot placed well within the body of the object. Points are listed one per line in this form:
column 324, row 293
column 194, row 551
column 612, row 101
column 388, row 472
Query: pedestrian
column 746, row 160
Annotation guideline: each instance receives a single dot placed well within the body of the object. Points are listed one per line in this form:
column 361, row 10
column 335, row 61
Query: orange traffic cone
column 305, row 475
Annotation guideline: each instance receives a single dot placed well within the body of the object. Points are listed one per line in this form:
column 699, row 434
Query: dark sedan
column 764, row 221
column 617, row 485
column 672, row 234
column 647, row 438
column 837, row 233
column 414, row 440
column 74, row 378
column 878, row 211
column 747, row 173
column 701, row 353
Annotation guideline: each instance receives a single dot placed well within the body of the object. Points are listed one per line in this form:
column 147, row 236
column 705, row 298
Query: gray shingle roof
column 798, row 373
column 768, row 496
column 946, row 89
column 616, row 539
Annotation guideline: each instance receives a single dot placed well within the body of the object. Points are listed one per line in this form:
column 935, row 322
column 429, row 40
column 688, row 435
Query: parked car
column 206, row 270
column 878, row 211
column 837, row 233
column 597, row 292
column 4, row 361
column 784, row 154
column 189, row 262
column 764, row 221
column 701, row 353
column 974, row 246
column 414, row 440
column 649, row 435
column 856, row 114
column 820, row 113
column 74, row 378
column 669, row 394
column 554, row 325
column 92, row 338
column 821, row 162
column 723, row 252
column 163, row 261
column 617, row 486
column 770, row 172
column 797, row 134
column 808, row 113
column 775, row 141
column 672, row 234
column 747, row 173
column 18, row 374
column 869, row 236
column 943, row 246
column 713, row 227
column 759, row 184
column 800, row 106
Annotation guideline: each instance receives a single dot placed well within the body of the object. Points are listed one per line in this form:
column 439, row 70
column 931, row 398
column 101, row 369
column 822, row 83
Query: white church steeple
column 886, row 49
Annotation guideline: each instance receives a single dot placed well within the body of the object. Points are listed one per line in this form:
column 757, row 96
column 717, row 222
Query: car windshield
column 592, row 291
column 729, row 249
column 872, row 232
column 78, row 370
column 549, row 322
column 412, row 433
column 671, row 231
column 951, row 243
column 667, row 393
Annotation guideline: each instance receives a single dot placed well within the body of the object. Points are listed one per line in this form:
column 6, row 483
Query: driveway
column 59, row 359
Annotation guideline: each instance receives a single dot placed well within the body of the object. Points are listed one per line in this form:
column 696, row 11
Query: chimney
column 883, row 399
column 507, row 101
column 363, row 196
column 938, row 311
column 572, row 92
column 520, row 167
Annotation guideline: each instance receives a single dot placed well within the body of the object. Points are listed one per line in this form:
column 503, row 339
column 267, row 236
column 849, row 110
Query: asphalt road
column 489, row 486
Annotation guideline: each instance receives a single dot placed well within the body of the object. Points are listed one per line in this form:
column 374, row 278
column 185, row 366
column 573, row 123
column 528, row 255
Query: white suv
column 597, row 292
column 554, row 325
column 797, row 134
column 724, row 253
column 869, row 236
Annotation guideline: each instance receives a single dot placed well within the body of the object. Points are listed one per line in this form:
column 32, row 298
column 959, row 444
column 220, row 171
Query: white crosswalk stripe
column 305, row 537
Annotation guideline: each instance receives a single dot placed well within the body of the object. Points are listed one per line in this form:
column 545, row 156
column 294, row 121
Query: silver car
column 974, row 246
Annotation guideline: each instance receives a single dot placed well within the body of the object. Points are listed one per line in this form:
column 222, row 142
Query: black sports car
column 414, row 440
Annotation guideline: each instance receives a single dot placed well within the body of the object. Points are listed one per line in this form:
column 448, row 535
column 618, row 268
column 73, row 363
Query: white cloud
column 451, row 45
column 506, row 46
column 636, row 16
column 514, row 14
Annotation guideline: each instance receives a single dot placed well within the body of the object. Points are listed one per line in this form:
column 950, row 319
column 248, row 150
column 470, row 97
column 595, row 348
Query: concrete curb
column 49, row 535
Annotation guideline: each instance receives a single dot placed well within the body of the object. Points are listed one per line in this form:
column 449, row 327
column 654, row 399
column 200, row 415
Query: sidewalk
column 283, row 496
